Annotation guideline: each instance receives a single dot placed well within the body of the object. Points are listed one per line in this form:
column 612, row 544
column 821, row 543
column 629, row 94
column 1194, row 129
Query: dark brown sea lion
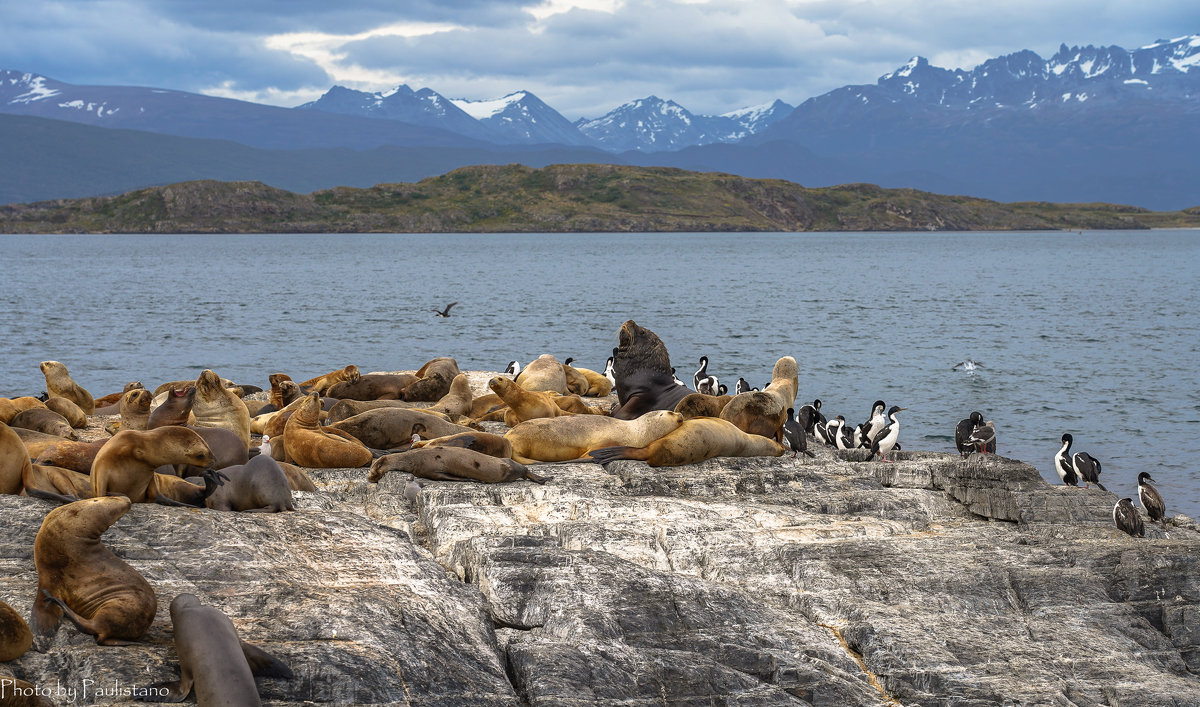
column 434, row 379
column 308, row 444
column 44, row 420
column 544, row 374
column 126, row 464
column 76, row 456
column 217, row 406
column 321, row 384
column 15, row 636
column 701, row 405
column 14, row 461
column 696, row 440
column 374, row 386
column 135, row 409
column 493, row 445
column 59, row 384
column 552, row 439
column 642, row 369
column 213, row 661
column 113, row 398
column 258, row 486
column 390, row 427
column 452, row 464
column 69, row 410
column 79, row 577
column 175, row 410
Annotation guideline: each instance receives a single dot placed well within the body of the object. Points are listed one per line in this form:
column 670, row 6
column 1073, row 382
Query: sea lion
column 81, row 578
column 7, row 410
column 323, row 383
column 764, row 412
column 574, row 403
column 701, row 405
column 553, row 439
column 598, row 384
column 226, row 447
column 391, row 427
column 493, row 445
column 486, row 405
column 59, row 384
column 457, row 401
column 217, row 406
column 14, row 461
column 76, row 456
column 176, row 409
column 433, row 381
column 126, row 464
column 345, row 409
column 37, row 442
column 257, row 486
column 297, row 479
column 642, row 369
column 577, row 383
column 26, row 402
column 113, row 398
column 69, row 410
column 225, row 382
column 694, row 441
column 373, row 386
column 307, row 444
column 524, row 404
column 545, row 374
column 135, row 409
column 452, row 464
column 15, row 636
column 213, row 660
column 57, row 484
column 44, row 420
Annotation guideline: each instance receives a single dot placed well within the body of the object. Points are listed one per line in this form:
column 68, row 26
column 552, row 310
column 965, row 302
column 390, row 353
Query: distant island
column 563, row 198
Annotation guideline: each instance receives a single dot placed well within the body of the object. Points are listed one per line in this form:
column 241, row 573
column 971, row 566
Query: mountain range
column 1088, row 124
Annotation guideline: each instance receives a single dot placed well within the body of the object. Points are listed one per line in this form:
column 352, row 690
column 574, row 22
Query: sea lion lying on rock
column 493, row 445
column 452, row 464
column 307, row 443
column 44, row 420
column 390, row 427
column 433, row 381
column 321, row 384
column 258, row 486
column 552, row 439
column 69, row 410
column 373, row 386
column 545, row 374
column 696, row 440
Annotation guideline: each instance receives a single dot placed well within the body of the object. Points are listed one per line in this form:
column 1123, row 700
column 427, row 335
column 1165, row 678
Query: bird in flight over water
column 968, row 365
column 444, row 312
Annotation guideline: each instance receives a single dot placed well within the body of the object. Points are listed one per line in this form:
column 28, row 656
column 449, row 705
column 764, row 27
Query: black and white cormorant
column 886, row 439
column 677, row 381
column 444, row 312
column 608, row 370
column 1152, row 500
column 701, row 373
column 963, row 431
column 821, row 431
column 743, row 386
column 983, row 439
column 514, row 368
column 1087, row 468
column 844, row 438
column 810, row 415
column 876, row 422
column 722, row 389
column 1062, row 462
column 1127, row 519
column 794, row 434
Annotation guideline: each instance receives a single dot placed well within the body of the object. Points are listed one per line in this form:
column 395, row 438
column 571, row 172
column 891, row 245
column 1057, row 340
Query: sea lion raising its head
column 642, row 369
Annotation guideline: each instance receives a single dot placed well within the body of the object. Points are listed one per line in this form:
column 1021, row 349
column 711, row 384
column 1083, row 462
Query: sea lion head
column 501, row 385
column 277, row 378
column 90, row 517
column 352, row 373
column 189, row 447
column 209, row 385
column 309, row 411
column 132, row 385
column 53, row 367
column 288, row 391
column 138, row 400
column 639, row 349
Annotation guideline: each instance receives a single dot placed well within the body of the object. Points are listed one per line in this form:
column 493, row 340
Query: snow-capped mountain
column 423, row 107
column 653, row 125
column 522, row 117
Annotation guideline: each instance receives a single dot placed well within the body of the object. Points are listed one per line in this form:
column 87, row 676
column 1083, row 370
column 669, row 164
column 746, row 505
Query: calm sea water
column 1094, row 334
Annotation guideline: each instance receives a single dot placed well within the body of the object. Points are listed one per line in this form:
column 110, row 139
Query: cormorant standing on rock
column 1127, row 519
column 886, row 440
column 1062, row 462
column 1151, row 499
column 963, row 432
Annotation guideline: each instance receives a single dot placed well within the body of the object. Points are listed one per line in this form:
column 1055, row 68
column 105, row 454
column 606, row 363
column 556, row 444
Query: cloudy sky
column 583, row 57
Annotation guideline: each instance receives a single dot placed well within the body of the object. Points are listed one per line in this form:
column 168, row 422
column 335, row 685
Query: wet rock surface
column 827, row 581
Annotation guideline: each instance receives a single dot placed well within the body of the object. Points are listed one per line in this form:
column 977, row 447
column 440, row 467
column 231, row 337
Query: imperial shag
column 886, row 440
column 1127, row 519
column 963, row 431
column 1152, row 500
column 1062, row 462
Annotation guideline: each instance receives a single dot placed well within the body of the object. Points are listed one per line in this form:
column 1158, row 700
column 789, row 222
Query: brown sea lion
column 434, row 379
column 69, row 410
column 696, row 440
column 258, row 486
column 276, row 380
column 323, row 383
column 574, row 403
column 457, row 401
column 57, row 484
column 226, row 448
column 7, row 410
column 217, row 406
column 485, row 405
column 59, row 384
column 544, row 374
column 113, row 398
column 135, row 409
column 345, row 409
column 176, row 409
column 297, row 479
column 452, row 464
column 764, row 412
column 308, row 444
column 599, row 385
column 183, row 384
column 553, row 439
column 524, row 404
column 14, row 461
column 642, row 369
column 701, row 405
column 37, row 442
column 15, row 636
column 26, row 402
column 577, row 383
column 213, row 661
column 81, row 578
column 76, row 456
column 493, row 445
column 126, row 464
column 390, row 427
column 44, row 420
column 374, row 386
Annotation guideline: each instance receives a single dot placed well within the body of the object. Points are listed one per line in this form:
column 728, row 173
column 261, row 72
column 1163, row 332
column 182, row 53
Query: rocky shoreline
column 828, row 581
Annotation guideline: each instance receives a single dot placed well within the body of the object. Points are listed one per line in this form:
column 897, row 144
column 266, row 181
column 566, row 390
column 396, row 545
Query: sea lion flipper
column 81, row 623
column 605, row 455
column 537, row 479
column 264, row 665
column 49, row 495
column 45, row 616
column 166, row 501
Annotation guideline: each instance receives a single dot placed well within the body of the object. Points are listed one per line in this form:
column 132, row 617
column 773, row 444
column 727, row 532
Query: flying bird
column 968, row 365
column 444, row 312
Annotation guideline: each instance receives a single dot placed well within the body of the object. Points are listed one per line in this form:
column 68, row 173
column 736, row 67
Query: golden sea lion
column 57, row 484
column 321, row 384
column 493, row 445
column 599, row 385
column 44, row 420
column 524, row 404
column 81, row 578
column 297, row 479
column 544, row 374
column 577, row 383
column 7, row 410
column 217, row 406
column 126, row 464
column 457, row 401
column 345, row 409
column 452, row 464
column 701, row 405
column 15, row 636
column 37, row 442
column 307, row 444
column 213, row 661
column 694, row 441
column 764, row 412
column 258, row 486
column 485, row 406
column 183, row 384
column 69, row 410
column 391, row 427
column 553, row 439
column 642, row 369
column 14, row 461
column 135, row 409
column 59, row 384
column 433, row 380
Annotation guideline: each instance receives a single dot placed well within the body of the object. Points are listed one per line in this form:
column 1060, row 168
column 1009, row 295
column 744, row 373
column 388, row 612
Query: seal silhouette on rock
column 373, row 386
column 433, row 380
column 642, row 369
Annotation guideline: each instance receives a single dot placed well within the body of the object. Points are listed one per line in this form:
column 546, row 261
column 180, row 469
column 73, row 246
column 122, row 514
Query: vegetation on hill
column 561, row 198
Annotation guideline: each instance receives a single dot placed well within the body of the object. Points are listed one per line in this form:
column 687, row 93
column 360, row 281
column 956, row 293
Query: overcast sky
column 583, row 57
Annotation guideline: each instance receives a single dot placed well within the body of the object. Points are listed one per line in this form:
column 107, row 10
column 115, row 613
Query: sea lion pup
column 524, row 404
column 59, row 384
column 599, row 385
column 553, row 439
column 456, row 402
column 126, row 463
column 15, row 636
column 452, row 464
column 696, row 440
column 217, row 406
column 81, row 578
column 434, row 379
column 44, row 420
column 69, row 410
column 493, row 445
column 701, row 405
column 213, row 660
column 14, row 461
column 321, row 384
column 373, row 386
column 112, row 399
column 764, row 412
column 307, row 444
column 642, row 369
column 544, row 375
column 135, row 409
column 176, row 409
column 258, row 486
column 76, row 456
column 389, row 427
